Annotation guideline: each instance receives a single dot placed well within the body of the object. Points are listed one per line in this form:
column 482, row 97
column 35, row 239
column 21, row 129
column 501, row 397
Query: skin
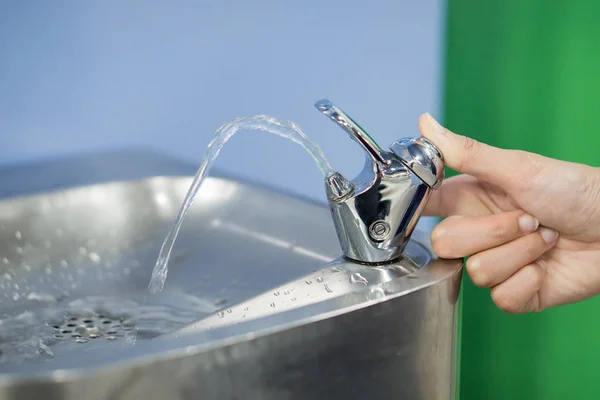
column 530, row 225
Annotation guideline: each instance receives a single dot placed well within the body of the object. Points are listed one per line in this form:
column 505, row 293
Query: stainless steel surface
column 373, row 332
column 343, row 282
column 376, row 213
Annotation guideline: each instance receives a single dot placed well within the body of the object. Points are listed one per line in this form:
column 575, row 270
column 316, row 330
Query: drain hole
column 81, row 329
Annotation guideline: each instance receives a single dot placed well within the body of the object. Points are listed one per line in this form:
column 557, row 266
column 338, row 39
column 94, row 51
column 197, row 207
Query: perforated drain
column 83, row 328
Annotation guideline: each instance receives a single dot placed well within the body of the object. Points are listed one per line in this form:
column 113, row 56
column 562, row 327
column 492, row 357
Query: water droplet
column 308, row 282
column 327, row 289
column 335, row 269
column 320, row 279
column 286, row 292
column 276, row 293
column 15, row 296
column 82, row 251
column 377, row 293
column 357, row 222
column 19, row 250
column 7, row 276
column 293, row 299
column 16, row 286
column 358, row 278
column 220, row 302
column 221, row 314
column 229, row 310
column 47, row 244
column 64, row 263
column 94, row 257
column 126, row 271
column 26, row 267
column 245, row 308
column 81, row 340
column 18, row 235
column 273, row 305
column 5, row 260
column 94, row 335
column 110, row 338
column 48, row 270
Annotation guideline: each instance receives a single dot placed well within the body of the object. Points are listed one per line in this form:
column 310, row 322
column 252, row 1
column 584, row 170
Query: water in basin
column 75, row 265
column 93, row 323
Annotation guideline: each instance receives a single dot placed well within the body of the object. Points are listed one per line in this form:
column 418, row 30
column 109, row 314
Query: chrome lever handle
column 355, row 131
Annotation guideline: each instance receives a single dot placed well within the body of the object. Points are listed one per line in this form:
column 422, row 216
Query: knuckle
column 532, row 167
column 471, row 149
column 505, row 302
column 534, row 248
column 536, row 275
column 590, row 193
column 499, row 227
column 477, row 272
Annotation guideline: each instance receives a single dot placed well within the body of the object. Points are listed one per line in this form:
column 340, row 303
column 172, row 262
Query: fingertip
column 528, row 223
column 550, row 236
column 430, row 127
column 519, row 294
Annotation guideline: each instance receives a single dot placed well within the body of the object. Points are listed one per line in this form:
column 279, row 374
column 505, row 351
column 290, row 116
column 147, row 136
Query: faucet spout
column 376, row 213
column 337, row 187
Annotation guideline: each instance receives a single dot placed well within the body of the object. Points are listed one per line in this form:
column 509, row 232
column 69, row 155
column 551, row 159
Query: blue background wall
column 81, row 76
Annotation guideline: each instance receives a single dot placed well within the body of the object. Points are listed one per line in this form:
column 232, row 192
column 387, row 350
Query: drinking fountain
column 266, row 304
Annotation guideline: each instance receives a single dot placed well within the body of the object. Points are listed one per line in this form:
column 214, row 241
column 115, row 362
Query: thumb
column 466, row 155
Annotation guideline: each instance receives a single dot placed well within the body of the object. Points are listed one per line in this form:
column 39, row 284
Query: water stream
column 284, row 129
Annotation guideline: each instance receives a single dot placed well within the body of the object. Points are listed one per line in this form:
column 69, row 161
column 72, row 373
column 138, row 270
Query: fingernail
column 434, row 124
column 528, row 224
column 549, row 235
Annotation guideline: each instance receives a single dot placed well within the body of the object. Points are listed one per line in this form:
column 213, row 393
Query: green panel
column 525, row 74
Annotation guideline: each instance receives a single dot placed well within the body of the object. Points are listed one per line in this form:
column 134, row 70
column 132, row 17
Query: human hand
column 530, row 224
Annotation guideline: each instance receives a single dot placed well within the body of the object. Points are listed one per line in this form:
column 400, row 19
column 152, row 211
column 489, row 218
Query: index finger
column 457, row 196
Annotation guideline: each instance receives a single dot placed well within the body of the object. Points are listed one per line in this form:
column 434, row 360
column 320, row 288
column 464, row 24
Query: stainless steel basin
column 78, row 240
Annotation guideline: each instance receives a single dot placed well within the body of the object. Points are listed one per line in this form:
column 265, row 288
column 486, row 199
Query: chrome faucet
column 375, row 214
